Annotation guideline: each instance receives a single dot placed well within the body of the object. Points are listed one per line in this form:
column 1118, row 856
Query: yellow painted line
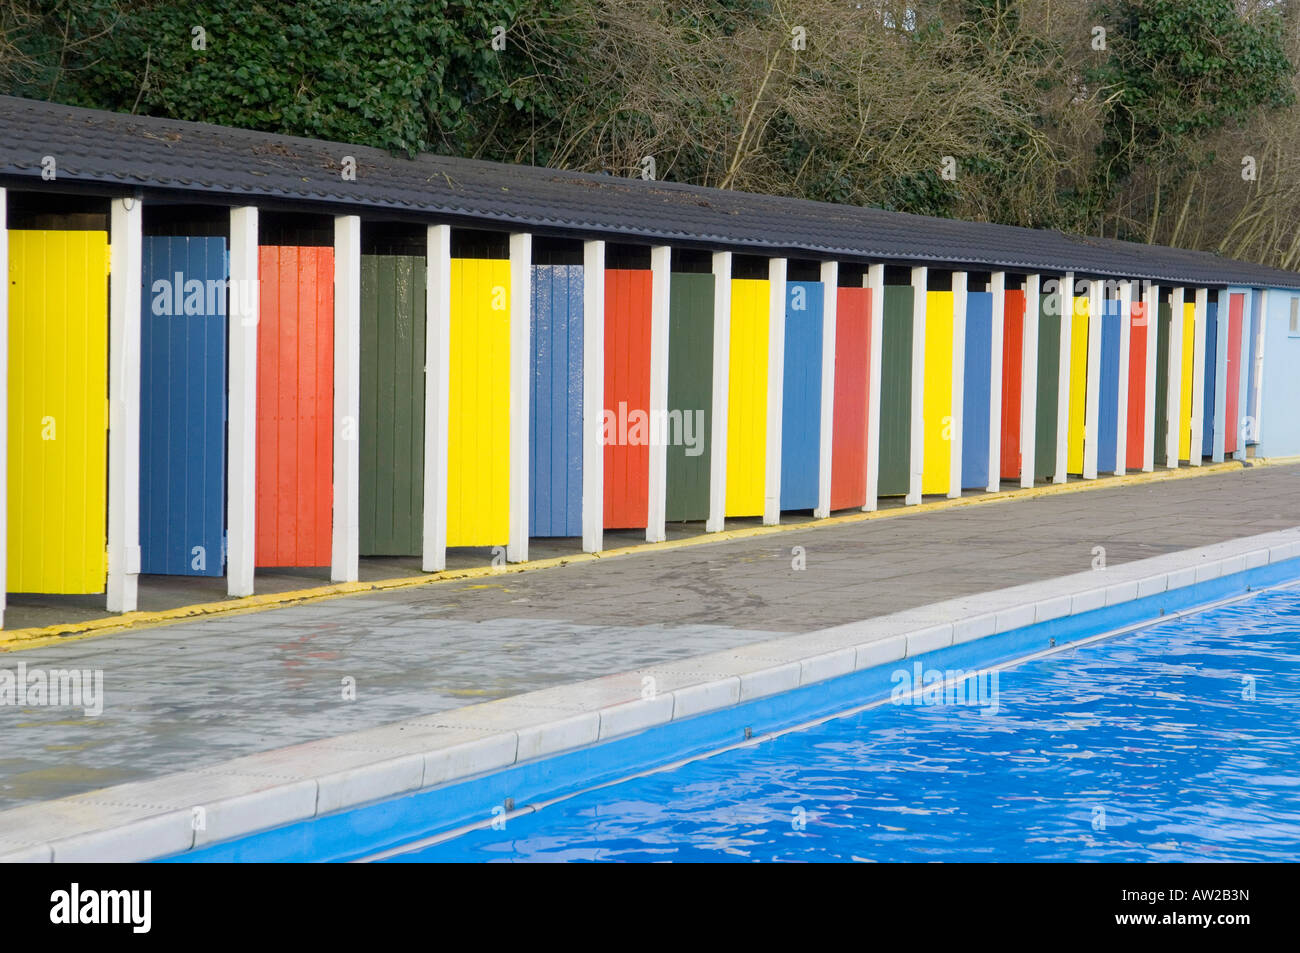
column 17, row 639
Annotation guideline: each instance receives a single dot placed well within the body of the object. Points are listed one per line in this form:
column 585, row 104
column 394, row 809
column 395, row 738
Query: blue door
column 976, row 391
column 1211, row 367
column 555, row 407
column 183, row 406
column 1108, row 399
column 801, row 401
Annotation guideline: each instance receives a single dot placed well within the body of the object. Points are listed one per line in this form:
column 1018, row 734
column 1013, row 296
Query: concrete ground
column 197, row 693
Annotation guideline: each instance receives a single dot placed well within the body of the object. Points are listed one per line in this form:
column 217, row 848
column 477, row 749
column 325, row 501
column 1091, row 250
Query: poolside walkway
column 197, row 693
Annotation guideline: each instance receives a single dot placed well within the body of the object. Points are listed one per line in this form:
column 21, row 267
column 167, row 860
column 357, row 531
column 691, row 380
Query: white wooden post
column 1124, row 304
column 776, row 275
column 521, row 339
column 1173, row 396
column 830, row 279
column 1029, row 378
column 243, row 307
column 721, row 383
column 126, row 256
column 1261, row 337
column 875, row 280
column 958, row 421
column 920, row 280
column 1198, row 377
column 1092, row 382
column 657, row 483
column 998, row 288
column 593, row 396
column 1063, row 379
column 1151, row 299
column 344, row 561
column 437, row 394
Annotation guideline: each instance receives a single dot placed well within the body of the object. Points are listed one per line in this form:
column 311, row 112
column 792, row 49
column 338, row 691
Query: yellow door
column 747, row 397
column 478, row 436
column 1078, row 386
column 1185, row 382
column 58, row 408
column 936, row 468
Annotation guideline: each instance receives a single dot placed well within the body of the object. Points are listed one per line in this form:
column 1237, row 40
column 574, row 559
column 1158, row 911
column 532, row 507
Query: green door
column 1161, row 429
column 1049, row 371
column 895, row 460
column 392, row 405
column 690, row 396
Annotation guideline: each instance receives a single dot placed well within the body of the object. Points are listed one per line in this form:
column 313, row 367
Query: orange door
column 295, row 406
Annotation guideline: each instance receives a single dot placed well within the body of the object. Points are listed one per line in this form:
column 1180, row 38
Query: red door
column 1013, row 334
column 1236, row 305
column 852, row 383
column 1137, row 386
column 295, row 406
column 627, row 397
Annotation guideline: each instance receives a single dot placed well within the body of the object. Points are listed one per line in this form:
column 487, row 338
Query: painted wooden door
column 852, row 390
column 1049, row 371
column 747, row 397
column 626, row 426
column 555, row 405
column 936, row 470
column 1108, row 392
column 58, row 411
column 183, row 406
column 690, row 396
column 1161, row 429
column 801, row 400
column 1135, row 435
column 1013, row 335
column 478, row 451
column 1251, row 328
column 1236, row 307
column 1186, row 381
column 1078, row 386
column 895, row 451
column 295, row 406
column 1211, row 373
column 977, row 391
column 392, row 405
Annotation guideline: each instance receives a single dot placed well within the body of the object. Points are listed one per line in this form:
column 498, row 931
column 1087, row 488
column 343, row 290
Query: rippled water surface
column 1142, row 747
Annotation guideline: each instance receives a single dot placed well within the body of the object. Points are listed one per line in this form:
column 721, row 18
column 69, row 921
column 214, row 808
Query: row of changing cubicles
column 843, row 384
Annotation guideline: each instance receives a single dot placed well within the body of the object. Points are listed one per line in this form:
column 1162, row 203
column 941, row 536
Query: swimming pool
column 1175, row 742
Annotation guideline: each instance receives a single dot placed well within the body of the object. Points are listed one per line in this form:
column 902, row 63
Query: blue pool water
column 1147, row 746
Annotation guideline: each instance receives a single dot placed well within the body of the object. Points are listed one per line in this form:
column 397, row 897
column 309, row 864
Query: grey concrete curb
column 163, row 816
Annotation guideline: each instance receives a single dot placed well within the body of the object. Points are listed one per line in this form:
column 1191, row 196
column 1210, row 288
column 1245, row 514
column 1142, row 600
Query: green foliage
column 404, row 75
column 1180, row 69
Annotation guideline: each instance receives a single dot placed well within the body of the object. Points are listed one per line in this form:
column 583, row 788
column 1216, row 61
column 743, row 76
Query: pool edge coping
column 155, row 818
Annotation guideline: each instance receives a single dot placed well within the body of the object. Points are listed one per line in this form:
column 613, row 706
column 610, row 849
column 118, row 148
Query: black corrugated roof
column 138, row 152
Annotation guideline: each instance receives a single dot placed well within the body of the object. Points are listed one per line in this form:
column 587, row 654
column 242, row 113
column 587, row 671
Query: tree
column 405, row 75
column 1179, row 71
